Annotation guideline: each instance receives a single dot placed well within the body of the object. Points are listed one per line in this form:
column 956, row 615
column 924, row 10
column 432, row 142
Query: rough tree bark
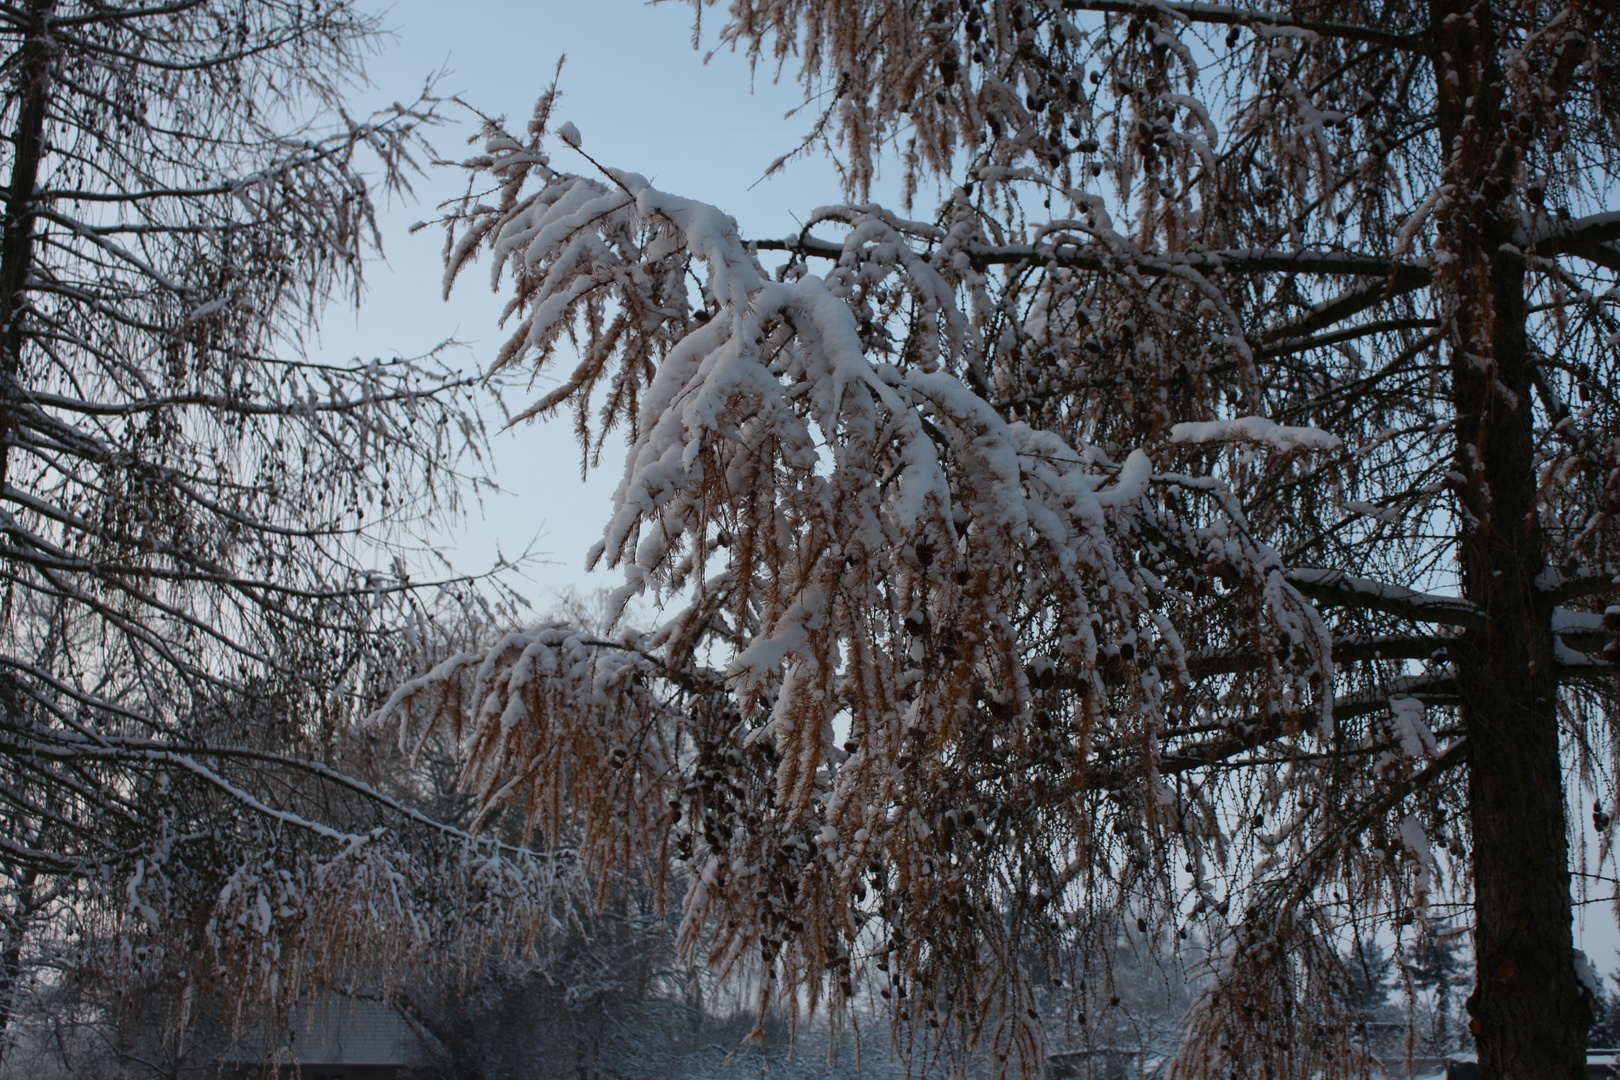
column 17, row 221
column 1529, row 1015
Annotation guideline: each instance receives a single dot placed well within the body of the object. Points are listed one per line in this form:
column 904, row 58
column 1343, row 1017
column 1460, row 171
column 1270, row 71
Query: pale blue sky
column 643, row 100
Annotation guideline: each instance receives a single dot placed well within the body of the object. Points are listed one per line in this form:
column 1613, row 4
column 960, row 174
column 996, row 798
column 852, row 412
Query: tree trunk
column 16, row 931
column 1530, row 1015
column 16, row 257
column 17, row 221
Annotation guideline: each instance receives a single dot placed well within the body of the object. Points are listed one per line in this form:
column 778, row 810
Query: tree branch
column 1405, row 278
column 1347, row 650
column 1334, row 587
column 1438, row 689
column 107, row 16
column 1090, row 257
column 1563, row 237
column 1222, row 15
column 1605, row 255
column 1584, row 581
column 1291, row 346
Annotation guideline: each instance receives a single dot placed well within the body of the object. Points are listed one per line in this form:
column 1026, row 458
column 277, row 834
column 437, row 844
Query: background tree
column 1437, row 966
column 201, row 577
column 1369, row 966
column 1208, row 512
column 1605, row 1031
column 599, row 999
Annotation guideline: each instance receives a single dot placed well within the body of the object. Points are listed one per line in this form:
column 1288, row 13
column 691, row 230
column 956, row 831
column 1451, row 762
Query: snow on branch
column 1337, row 587
column 906, row 491
column 557, row 725
column 1554, row 237
column 1580, row 582
column 1256, row 429
column 1099, row 257
column 853, row 526
column 1224, row 15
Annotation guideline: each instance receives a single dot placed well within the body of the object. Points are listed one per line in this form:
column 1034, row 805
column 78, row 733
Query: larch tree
column 194, row 508
column 1205, row 519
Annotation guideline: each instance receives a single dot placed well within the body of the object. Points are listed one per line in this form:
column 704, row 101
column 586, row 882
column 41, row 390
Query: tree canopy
column 202, row 583
column 1203, row 520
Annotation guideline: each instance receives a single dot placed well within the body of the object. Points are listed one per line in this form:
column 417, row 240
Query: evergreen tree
column 1605, row 1031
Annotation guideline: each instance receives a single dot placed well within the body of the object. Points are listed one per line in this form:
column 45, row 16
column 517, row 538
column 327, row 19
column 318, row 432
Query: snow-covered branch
column 1338, row 587
column 1110, row 258
column 1225, row 15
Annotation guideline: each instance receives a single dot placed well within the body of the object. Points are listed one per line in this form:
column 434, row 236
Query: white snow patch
column 1568, row 621
column 1587, row 973
column 1416, row 841
column 1256, row 429
column 1417, row 741
column 1390, row 515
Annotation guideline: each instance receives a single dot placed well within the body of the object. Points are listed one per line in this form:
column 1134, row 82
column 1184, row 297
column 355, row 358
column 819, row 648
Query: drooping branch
column 780, row 473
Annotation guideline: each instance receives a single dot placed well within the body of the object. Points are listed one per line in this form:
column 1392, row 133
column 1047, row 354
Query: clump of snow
column 1416, row 841
column 1417, row 741
column 569, row 134
column 1256, row 429
column 1389, row 515
column 1587, row 973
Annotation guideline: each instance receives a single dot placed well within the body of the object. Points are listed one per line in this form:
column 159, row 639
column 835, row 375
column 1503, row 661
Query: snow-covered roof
column 1423, row 1068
